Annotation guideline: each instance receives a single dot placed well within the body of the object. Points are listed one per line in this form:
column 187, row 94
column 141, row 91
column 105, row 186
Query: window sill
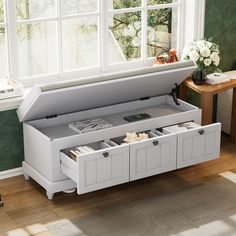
column 12, row 103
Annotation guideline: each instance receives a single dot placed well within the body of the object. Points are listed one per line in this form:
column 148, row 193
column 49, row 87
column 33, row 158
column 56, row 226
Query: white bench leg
column 49, row 195
column 26, row 176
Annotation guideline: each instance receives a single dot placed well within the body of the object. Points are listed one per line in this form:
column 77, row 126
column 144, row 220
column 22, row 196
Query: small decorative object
column 206, row 55
column 162, row 59
column 142, row 136
column 172, row 56
column 10, row 88
column 133, row 137
column 166, row 57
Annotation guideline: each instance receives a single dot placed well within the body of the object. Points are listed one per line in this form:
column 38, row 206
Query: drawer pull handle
column 201, row 132
column 155, row 143
column 106, row 154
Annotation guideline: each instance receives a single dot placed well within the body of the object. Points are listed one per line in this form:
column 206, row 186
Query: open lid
column 78, row 95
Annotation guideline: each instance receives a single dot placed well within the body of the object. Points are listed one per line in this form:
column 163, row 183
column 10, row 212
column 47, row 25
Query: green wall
column 11, row 141
column 220, row 24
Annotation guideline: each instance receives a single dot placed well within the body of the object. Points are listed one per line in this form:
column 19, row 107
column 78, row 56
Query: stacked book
column 77, row 151
column 217, row 78
column 180, row 128
column 90, row 125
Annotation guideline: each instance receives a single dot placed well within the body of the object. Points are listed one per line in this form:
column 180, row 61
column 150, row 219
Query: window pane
column 37, row 45
column 30, row 9
column 3, row 58
column 161, row 35
column 156, row 2
column 1, row 11
column 70, row 7
column 125, row 37
column 80, row 43
column 119, row 4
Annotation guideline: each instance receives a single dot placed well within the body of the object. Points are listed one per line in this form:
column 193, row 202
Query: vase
column 199, row 77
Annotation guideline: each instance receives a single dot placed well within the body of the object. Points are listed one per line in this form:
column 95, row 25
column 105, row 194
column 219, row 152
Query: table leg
column 183, row 92
column 206, row 104
column 233, row 118
column 1, row 202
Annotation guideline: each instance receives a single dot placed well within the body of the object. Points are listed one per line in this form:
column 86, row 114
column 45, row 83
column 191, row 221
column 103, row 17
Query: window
column 143, row 29
column 3, row 45
column 50, row 40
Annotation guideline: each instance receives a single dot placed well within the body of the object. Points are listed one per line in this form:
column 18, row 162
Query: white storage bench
column 47, row 111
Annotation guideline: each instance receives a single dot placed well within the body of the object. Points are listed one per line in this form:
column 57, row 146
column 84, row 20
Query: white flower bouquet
column 205, row 54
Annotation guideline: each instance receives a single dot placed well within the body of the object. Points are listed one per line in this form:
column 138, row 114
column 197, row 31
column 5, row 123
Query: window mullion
column 180, row 27
column 4, row 24
column 144, row 31
column 11, row 34
column 59, row 38
column 104, row 35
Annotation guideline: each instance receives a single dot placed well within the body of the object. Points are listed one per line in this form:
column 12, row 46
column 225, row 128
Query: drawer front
column 154, row 156
column 199, row 145
column 103, row 169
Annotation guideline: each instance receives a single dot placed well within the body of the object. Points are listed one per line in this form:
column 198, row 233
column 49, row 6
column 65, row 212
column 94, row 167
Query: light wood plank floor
column 25, row 202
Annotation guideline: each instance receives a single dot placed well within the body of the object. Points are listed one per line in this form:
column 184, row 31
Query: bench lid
column 51, row 100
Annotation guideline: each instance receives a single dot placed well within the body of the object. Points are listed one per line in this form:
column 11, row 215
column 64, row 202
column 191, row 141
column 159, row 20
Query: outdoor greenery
column 128, row 32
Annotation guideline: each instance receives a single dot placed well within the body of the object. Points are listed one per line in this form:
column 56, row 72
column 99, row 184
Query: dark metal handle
column 155, row 143
column 201, row 132
column 106, row 154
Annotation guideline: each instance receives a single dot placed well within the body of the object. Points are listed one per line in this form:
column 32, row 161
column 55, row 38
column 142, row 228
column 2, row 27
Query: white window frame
column 190, row 27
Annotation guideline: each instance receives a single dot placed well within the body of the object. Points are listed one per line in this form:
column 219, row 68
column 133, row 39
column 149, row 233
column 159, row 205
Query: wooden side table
column 207, row 92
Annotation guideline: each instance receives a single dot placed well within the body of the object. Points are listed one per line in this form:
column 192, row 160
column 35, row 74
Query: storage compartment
column 198, row 145
column 106, row 166
column 137, row 137
column 162, row 111
column 153, row 156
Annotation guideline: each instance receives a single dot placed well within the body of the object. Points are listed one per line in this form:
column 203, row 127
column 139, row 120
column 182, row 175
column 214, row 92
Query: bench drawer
column 106, row 166
column 199, row 145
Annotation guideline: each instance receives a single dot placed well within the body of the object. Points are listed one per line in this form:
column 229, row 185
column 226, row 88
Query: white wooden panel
column 187, row 148
column 90, row 172
column 198, row 146
column 117, row 166
column 165, row 154
column 97, row 171
column 66, row 161
column 103, row 169
column 146, row 159
column 141, row 160
column 69, row 172
column 194, row 148
column 152, row 159
column 210, row 143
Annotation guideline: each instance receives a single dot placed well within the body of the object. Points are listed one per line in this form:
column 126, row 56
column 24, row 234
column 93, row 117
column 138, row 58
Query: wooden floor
column 25, row 202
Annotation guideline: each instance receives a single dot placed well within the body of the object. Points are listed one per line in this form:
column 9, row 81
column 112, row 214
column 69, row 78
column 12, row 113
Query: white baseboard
column 11, row 173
